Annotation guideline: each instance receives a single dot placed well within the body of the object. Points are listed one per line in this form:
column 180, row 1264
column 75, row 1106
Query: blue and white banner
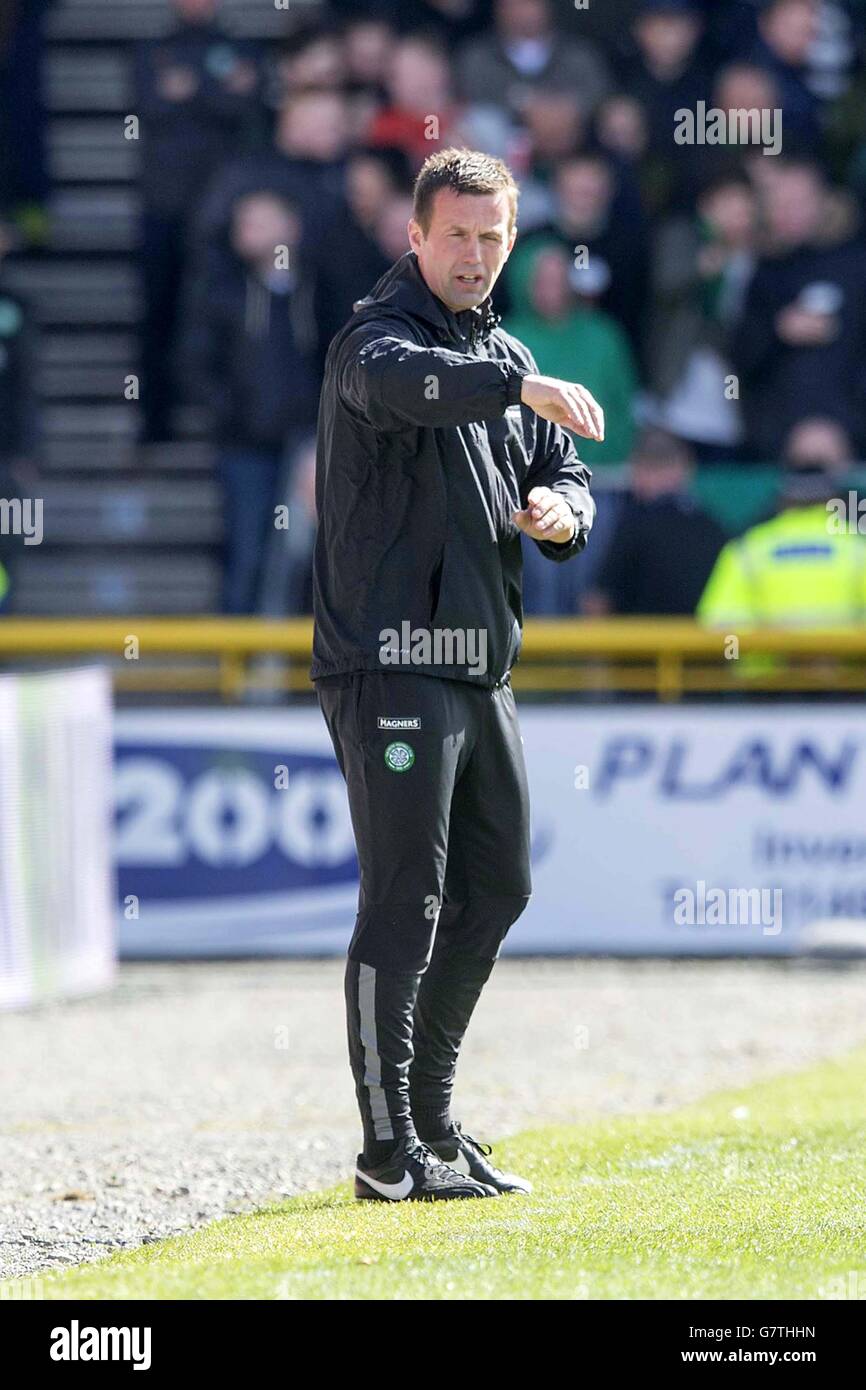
column 683, row 830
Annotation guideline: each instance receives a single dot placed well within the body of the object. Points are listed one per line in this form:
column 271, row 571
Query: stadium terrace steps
column 111, row 506
column 125, row 582
column 154, row 511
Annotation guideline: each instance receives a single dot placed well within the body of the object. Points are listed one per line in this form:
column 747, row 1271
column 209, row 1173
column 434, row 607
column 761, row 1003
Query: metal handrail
column 667, row 656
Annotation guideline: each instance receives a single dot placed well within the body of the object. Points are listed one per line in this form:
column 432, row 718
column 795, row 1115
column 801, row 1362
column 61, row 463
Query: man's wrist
column 514, row 385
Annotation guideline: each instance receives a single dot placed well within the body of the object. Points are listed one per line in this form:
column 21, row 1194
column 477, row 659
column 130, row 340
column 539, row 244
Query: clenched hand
column 547, row 518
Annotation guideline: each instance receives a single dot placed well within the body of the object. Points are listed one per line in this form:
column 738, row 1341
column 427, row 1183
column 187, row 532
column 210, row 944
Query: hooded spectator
column 555, row 313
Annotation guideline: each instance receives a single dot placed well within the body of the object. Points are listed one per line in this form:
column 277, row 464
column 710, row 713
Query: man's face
column 791, row 29
column 745, row 88
column 730, row 212
column 261, row 224
column 418, row 78
column 794, row 206
column 523, row 19
column 584, row 190
column 466, row 245
column 313, row 125
column 550, row 291
column 667, row 39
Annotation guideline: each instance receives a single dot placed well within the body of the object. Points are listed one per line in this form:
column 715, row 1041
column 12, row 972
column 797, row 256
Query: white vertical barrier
column 57, row 917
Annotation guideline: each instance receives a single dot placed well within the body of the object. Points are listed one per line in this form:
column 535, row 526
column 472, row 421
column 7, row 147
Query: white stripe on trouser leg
column 372, row 1061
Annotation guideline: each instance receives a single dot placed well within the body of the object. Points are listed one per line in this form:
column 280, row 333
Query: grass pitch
column 757, row 1193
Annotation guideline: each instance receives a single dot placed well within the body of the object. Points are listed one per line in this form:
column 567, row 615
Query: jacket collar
column 404, row 287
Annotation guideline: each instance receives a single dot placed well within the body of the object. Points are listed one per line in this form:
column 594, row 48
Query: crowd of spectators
column 711, row 292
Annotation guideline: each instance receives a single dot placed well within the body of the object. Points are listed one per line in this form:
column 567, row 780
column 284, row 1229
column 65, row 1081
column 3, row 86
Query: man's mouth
column 471, row 281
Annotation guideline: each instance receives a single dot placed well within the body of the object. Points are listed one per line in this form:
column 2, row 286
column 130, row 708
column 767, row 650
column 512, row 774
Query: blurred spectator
column 251, row 356
column 555, row 313
column 368, row 43
column 702, row 267
column 831, row 56
column 586, row 223
column 392, row 228
column 665, row 72
column 18, row 421
column 621, row 127
column 422, row 115
column 787, row 32
column 349, row 255
column 526, row 54
column 195, row 90
column 800, row 347
column 24, row 184
column 306, row 163
column 312, row 56
column 819, row 443
column 737, row 87
column 555, row 124
column 663, row 546
column 449, row 20
column 797, row 569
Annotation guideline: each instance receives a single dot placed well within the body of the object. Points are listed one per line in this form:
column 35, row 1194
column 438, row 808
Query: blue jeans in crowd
column 249, row 479
column 555, row 590
column 265, row 566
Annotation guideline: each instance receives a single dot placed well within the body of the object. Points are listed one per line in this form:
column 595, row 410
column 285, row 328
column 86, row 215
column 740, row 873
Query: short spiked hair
column 466, row 171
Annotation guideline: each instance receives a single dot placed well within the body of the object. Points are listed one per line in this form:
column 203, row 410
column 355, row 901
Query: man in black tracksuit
column 438, row 443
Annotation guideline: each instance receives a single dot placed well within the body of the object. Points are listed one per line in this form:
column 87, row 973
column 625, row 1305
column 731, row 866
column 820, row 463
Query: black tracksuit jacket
column 421, row 462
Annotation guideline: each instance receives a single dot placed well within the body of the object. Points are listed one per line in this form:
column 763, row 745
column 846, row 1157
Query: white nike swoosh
column 396, row 1191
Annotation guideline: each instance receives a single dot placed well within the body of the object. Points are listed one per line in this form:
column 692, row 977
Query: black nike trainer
column 465, row 1155
column 414, row 1173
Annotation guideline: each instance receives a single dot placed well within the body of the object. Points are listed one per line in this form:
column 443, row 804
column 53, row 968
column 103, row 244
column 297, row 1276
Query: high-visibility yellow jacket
column 793, row 571
column 4, row 582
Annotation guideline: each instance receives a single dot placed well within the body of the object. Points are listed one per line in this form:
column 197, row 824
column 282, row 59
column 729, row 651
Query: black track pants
column 440, row 810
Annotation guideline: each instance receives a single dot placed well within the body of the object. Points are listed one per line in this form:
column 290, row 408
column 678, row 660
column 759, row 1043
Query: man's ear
column 416, row 236
column 511, row 240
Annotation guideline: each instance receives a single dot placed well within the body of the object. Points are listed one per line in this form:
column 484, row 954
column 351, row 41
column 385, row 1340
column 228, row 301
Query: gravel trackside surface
column 196, row 1090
